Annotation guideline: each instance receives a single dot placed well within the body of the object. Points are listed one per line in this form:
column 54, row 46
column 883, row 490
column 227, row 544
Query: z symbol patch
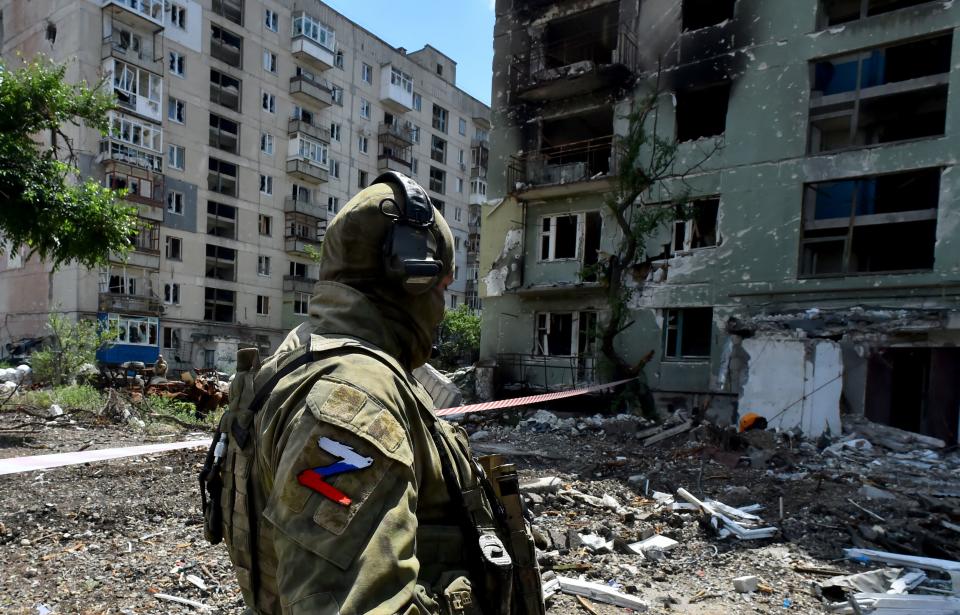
column 350, row 461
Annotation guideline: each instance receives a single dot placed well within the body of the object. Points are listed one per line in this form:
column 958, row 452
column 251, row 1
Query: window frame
column 550, row 235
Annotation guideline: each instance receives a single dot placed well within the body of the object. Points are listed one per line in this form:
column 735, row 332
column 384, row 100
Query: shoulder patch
column 343, row 403
column 350, row 408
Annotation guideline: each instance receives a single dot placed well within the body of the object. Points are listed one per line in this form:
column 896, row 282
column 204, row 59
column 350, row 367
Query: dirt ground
column 108, row 537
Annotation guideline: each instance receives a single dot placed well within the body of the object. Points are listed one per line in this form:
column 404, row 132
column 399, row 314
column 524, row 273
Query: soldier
column 339, row 490
column 160, row 368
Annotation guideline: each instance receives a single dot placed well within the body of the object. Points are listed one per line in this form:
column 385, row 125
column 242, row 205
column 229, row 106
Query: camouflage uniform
column 398, row 546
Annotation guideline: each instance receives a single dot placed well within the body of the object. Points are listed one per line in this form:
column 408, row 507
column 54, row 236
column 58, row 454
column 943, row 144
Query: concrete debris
column 17, row 375
column 746, row 585
column 547, row 484
column 596, row 544
column 601, row 593
column 837, row 588
column 889, row 604
column 875, row 493
column 655, row 546
column 442, row 390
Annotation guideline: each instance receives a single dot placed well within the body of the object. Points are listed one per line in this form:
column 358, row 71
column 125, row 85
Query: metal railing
column 532, row 371
column 396, row 131
column 564, row 164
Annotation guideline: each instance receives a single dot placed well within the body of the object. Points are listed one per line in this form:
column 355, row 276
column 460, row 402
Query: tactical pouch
column 456, row 595
column 226, row 478
column 211, row 490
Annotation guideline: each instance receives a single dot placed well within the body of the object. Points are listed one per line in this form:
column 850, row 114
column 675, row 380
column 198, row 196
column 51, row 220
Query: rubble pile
column 684, row 516
column 628, row 515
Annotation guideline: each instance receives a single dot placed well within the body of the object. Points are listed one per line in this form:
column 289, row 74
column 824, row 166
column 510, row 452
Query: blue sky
column 462, row 29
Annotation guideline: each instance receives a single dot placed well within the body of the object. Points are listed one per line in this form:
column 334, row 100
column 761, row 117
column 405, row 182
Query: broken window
column 591, row 244
column 559, row 237
column 221, row 220
column 301, row 303
column 222, row 177
column 699, row 230
column 702, row 112
column 224, row 134
column 221, row 263
column 438, row 179
column 171, row 338
column 687, row 333
column 573, row 148
column 880, row 95
column 702, row 13
column 870, row 224
column 226, row 46
column 915, row 389
column 232, row 10
column 591, row 35
column 218, row 304
column 833, row 12
column 438, row 149
column 560, row 333
column 224, row 90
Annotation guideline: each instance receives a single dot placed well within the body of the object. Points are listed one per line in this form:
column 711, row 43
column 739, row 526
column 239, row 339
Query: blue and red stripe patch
column 350, row 461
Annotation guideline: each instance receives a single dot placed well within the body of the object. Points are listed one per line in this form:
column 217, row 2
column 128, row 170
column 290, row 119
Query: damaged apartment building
column 241, row 128
column 817, row 271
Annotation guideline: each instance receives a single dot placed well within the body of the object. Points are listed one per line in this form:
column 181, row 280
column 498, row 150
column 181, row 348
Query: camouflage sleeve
column 343, row 509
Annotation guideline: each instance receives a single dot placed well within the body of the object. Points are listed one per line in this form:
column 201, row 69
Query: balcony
column 393, row 162
column 139, row 13
column 298, row 284
column 297, row 246
column 112, row 150
column 312, row 42
column 478, row 190
column 308, row 171
column 137, row 90
column 395, row 133
column 396, row 89
column 311, row 91
column 574, row 59
column 320, row 134
column 114, row 47
column 301, row 206
column 567, row 169
column 129, row 304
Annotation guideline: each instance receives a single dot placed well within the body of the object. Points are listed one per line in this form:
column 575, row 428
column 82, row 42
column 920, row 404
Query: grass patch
column 184, row 412
column 72, row 397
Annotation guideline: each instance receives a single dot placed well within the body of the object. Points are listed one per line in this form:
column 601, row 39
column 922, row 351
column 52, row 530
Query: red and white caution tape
column 31, row 463
column 526, row 401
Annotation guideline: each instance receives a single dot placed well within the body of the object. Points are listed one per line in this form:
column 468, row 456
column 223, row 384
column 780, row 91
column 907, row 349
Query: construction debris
column 746, row 585
column 601, row 593
column 721, row 517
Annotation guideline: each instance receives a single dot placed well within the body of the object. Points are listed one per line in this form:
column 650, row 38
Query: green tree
column 647, row 161
column 459, row 336
column 71, row 345
column 47, row 207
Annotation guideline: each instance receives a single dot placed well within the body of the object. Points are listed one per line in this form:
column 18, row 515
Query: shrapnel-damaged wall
column 759, row 264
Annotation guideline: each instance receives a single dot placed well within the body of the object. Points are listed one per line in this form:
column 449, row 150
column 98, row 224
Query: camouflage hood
column 372, row 308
